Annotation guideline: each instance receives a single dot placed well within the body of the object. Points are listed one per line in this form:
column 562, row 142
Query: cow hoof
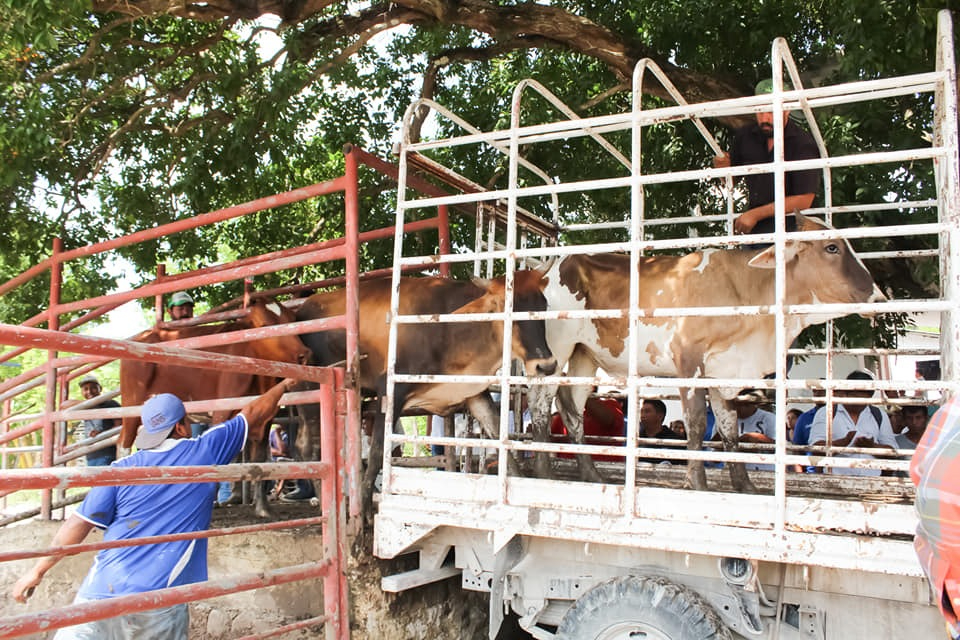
column 595, row 478
column 746, row 487
column 696, row 479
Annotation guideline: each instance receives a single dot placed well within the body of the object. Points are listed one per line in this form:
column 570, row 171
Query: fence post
column 53, row 324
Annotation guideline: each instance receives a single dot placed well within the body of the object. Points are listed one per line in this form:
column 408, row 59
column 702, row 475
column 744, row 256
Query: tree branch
column 533, row 23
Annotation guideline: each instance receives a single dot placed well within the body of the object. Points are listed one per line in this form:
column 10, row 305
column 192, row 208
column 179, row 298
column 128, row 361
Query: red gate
column 339, row 402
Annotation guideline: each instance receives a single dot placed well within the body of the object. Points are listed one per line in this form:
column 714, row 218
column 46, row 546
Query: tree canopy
column 119, row 115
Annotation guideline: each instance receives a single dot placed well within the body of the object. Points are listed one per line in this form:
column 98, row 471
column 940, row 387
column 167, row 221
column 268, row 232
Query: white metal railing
column 942, row 154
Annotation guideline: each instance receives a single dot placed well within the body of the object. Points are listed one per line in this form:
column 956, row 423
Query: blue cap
column 159, row 415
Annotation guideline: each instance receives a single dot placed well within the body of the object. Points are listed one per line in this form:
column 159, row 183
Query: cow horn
column 547, row 265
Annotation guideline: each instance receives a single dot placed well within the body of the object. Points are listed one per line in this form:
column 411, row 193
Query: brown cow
column 473, row 348
column 817, row 271
column 139, row 379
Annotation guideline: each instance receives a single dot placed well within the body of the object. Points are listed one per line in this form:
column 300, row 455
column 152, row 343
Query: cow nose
column 547, row 367
column 875, row 296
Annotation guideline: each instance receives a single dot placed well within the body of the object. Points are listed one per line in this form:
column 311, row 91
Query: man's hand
column 23, row 588
column 722, row 161
column 864, row 441
column 744, row 223
column 755, row 437
column 845, row 440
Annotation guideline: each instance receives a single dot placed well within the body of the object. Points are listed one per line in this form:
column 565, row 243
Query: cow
column 140, row 379
column 471, row 348
column 817, row 271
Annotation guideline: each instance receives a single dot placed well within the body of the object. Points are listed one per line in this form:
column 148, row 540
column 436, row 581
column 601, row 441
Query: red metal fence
column 340, row 407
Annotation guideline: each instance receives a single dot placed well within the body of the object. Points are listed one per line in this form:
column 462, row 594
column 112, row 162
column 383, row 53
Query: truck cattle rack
column 811, row 555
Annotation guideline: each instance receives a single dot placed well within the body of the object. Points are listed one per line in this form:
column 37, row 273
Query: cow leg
column 306, row 446
column 726, row 425
column 570, row 403
column 374, row 462
column 540, row 402
column 693, row 403
column 258, row 452
column 482, row 408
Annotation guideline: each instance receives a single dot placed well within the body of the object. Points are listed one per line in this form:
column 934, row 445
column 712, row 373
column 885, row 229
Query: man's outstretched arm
column 74, row 530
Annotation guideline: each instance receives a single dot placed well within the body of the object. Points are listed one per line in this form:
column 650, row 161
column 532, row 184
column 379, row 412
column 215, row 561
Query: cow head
column 529, row 336
column 280, row 348
column 821, row 271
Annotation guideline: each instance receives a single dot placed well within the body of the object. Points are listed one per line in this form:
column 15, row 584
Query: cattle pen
column 819, row 556
column 338, row 432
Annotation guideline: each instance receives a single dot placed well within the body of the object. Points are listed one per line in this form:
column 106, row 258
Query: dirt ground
column 439, row 611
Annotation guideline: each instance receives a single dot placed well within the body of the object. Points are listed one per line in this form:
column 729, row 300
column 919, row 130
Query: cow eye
column 833, row 248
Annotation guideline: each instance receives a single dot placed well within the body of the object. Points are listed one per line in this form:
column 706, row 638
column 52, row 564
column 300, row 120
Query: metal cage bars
column 329, row 471
column 942, row 154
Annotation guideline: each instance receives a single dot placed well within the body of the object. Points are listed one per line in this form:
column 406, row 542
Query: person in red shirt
column 602, row 425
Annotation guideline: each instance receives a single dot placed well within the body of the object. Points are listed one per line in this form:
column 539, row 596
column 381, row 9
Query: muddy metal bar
column 193, row 406
column 72, row 614
column 27, row 336
column 350, row 460
column 228, row 273
column 219, row 215
column 74, row 549
column 70, row 478
column 287, row 628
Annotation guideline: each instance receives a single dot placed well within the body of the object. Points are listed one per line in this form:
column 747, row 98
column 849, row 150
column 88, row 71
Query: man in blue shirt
column 149, row 510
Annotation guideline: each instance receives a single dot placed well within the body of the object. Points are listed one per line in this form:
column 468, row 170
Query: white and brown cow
column 818, row 271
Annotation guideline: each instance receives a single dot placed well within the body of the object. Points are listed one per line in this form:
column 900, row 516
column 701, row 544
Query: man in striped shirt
column 935, row 470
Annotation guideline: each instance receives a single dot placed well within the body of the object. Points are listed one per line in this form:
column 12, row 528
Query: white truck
column 812, row 556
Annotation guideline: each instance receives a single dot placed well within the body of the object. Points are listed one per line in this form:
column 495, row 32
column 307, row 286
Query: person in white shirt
column 854, row 425
column 758, row 426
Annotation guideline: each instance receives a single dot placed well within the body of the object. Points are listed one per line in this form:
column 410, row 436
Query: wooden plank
column 416, row 578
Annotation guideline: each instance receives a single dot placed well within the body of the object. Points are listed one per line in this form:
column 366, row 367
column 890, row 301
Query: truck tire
column 649, row 607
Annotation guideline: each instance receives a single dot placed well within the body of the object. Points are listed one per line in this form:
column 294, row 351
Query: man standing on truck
column 935, row 470
column 753, row 144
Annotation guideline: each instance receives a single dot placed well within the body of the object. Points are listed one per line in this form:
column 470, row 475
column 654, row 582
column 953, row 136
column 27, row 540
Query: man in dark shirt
column 753, row 144
column 90, row 388
column 653, row 413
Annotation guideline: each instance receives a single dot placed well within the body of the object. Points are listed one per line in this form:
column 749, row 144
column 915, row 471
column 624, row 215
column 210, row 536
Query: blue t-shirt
column 148, row 510
column 801, row 428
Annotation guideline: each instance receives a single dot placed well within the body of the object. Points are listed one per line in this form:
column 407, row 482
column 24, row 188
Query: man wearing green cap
column 180, row 305
column 753, row 144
